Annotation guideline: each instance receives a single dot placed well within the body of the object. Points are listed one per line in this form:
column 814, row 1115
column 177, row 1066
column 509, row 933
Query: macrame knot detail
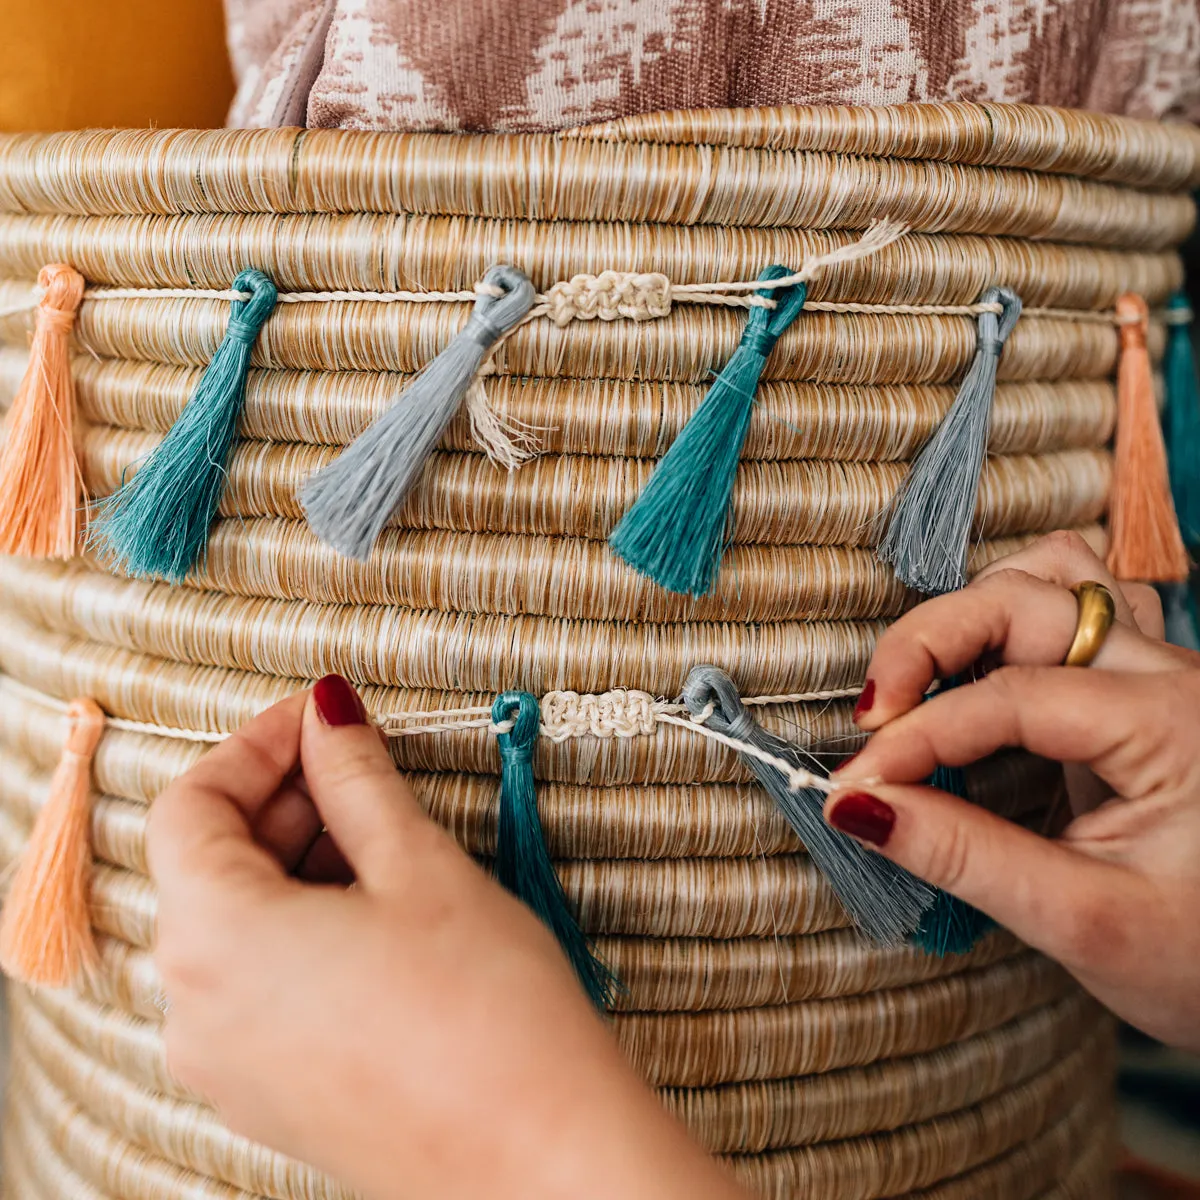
column 609, row 295
column 609, row 715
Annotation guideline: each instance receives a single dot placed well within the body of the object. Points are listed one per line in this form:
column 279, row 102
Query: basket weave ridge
column 812, row 1062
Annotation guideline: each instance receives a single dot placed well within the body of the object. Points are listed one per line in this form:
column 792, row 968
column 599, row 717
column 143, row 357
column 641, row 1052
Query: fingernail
column 864, row 817
column 337, row 702
column 866, row 699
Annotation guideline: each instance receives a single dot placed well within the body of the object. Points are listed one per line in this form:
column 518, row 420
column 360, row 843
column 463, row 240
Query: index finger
column 201, row 824
column 1067, row 558
column 1125, row 726
column 1023, row 620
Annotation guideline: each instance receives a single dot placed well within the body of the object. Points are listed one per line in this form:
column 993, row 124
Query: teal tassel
column 1182, row 625
column 926, row 530
column 950, row 925
column 522, row 862
column 1182, row 417
column 157, row 524
column 676, row 530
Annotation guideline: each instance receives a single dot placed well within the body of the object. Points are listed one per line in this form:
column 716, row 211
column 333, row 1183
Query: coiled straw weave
column 813, row 1063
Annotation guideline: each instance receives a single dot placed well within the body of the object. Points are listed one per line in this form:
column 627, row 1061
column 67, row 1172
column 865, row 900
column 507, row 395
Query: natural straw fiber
column 816, row 1064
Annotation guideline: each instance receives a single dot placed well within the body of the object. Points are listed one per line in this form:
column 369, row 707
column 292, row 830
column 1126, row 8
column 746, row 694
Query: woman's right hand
column 1115, row 899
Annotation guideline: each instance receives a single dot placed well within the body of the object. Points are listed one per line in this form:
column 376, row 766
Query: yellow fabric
column 73, row 64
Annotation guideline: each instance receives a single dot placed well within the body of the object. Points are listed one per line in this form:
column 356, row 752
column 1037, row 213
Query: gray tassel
column 927, row 527
column 882, row 899
column 350, row 501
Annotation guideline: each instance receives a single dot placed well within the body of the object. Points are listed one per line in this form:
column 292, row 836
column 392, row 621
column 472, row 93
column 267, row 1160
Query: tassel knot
column 247, row 317
column 62, row 294
column 351, row 500
column 676, row 530
column 45, row 931
column 765, row 326
column 523, row 863
column 927, row 527
column 517, row 745
column 1144, row 538
column 883, row 900
column 40, row 481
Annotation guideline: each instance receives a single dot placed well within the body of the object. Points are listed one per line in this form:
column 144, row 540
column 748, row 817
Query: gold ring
column 1097, row 611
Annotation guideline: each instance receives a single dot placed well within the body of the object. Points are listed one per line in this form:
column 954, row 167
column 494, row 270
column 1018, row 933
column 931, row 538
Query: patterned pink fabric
column 548, row 64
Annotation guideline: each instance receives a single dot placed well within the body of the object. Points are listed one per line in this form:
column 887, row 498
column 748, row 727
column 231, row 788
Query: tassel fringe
column 350, row 501
column 46, row 930
column 676, row 530
column 886, row 902
column 1144, row 538
column 950, row 925
column 156, row 525
column 1182, row 417
column 523, row 864
column 926, row 531
column 40, row 482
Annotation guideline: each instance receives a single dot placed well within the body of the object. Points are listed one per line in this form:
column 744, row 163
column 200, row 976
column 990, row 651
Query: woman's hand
column 1115, row 898
column 418, row 1035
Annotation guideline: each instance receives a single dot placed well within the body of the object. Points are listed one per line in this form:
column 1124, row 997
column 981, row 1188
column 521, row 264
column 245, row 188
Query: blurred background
column 74, row 64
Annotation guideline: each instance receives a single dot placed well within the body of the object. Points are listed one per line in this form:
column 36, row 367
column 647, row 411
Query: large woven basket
column 817, row 1065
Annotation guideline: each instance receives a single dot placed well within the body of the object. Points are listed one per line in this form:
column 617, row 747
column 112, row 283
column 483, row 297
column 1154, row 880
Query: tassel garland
column 46, row 929
column 1144, row 538
column 349, row 502
column 1182, row 417
column 157, row 524
column 676, row 530
column 522, row 862
column 886, row 902
column 926, row 530
column 40, row 481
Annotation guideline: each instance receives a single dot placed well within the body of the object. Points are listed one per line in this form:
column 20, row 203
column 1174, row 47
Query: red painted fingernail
column 337, row 702
column 864, row 817
column 866, row 699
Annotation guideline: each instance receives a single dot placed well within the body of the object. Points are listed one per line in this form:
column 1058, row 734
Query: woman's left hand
column 1115, row 898
column 421, row 1035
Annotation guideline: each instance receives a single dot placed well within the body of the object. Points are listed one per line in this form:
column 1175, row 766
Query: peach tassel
column 40, row 482
column 46, row 929
column 1144, row 538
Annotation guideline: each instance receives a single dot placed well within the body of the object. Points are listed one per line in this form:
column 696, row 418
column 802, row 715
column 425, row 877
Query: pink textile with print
column 509, row 65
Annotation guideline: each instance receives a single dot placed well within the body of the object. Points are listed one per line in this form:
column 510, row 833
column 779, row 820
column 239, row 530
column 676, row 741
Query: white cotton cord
column 880, row 235
column 797, row 777
column 507, row 441
column 339, row 297
column 16, row 688
column 543, row 309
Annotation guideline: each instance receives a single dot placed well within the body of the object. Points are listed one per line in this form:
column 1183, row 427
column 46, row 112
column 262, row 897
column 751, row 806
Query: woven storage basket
column 817, row 1065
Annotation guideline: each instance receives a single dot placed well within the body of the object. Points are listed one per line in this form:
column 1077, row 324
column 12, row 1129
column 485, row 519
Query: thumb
column 1052, row 896
column 368, row 809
